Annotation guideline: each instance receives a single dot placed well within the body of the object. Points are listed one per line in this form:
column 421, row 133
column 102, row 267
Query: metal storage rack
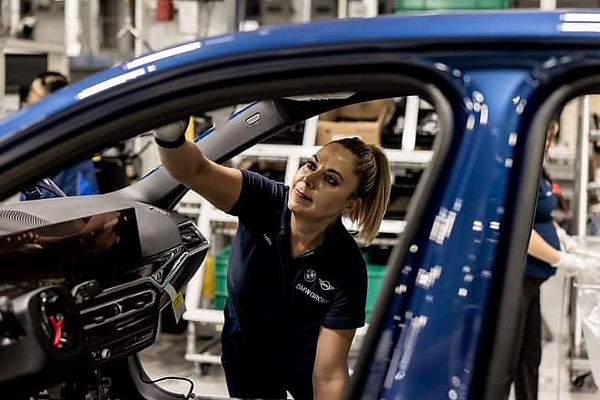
column 578, row 364
column 293, row 155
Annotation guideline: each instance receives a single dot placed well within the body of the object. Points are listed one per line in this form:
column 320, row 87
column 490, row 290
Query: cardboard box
column 365, row 120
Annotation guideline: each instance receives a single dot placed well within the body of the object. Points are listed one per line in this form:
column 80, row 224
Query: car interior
column 86, row 278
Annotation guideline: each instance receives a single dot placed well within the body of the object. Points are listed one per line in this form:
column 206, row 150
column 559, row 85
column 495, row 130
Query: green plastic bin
column 221, row 260
column 448, row 5
column 375, row 275
column 219, row 301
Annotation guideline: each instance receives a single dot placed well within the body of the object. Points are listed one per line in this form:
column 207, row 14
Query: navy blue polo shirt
column 544, row 225
column 275, row 300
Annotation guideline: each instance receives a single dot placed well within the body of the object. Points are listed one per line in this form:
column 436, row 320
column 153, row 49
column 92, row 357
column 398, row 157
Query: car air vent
column 118, row 308
column 190, row 235
column 14, row 220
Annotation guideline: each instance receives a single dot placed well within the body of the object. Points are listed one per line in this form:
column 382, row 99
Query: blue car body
column 435, row 333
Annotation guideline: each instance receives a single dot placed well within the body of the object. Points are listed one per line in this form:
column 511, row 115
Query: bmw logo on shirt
column 310, row 275
column 316, row 288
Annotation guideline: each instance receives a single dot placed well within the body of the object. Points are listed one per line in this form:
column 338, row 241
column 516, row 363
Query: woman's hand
column 568, row 243
column 584, row 268
column 171, row 135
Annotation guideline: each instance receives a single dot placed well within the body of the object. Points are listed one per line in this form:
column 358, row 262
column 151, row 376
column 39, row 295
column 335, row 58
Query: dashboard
column 83, row 282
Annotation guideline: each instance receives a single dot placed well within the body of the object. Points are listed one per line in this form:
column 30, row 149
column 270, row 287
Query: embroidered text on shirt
column 311, row 294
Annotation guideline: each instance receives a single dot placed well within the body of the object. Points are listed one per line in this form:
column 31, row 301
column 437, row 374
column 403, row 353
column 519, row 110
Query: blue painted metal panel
column 432, row 333
column 456, row 28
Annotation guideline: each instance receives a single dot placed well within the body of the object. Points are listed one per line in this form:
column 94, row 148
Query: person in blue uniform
column 545, row 256
column 78, row 179
column 296, row 278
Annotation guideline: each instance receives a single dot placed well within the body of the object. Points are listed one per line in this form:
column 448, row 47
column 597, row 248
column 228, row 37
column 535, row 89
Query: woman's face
column 36, row 92
column 324, row 187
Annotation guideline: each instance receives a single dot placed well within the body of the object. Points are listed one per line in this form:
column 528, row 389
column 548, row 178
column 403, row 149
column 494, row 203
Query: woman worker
column 548, row 251
column 296, row 278
column 76, row 180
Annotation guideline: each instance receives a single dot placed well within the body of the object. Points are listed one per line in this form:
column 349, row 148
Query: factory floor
column 166, row 358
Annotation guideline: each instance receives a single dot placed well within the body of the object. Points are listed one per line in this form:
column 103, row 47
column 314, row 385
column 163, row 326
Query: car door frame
column 19, row 156
column 561, row 87
column 198, row 93
column 385, row 69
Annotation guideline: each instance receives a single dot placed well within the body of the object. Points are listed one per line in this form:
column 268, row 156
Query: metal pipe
column 72, row 28
column 582, row 168
column 15, row 16
column 411, row 122
column 548, row 5
column 2, row 79
column 342, row 8
column 93, row 26
column 138, row 45
column 371, row 8
column 305, row 12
